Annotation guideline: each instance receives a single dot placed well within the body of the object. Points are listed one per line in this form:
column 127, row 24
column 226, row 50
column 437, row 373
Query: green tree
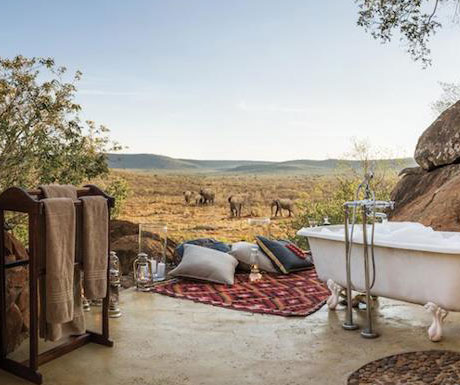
column 42, row 139
column 330, row 195
column 416, row 21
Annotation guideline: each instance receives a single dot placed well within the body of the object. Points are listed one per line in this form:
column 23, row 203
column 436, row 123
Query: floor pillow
column 205, row 242
column 206, row 264
column 284, row 259
column 296, row 249
column 242, row 252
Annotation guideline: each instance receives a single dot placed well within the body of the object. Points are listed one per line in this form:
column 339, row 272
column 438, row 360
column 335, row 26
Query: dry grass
column 158, row 198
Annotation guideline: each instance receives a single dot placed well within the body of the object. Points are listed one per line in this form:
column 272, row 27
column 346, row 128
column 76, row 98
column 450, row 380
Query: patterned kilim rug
column 434, row 367
column 296, row 294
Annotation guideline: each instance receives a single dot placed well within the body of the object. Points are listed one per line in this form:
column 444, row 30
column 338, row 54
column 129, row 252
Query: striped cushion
column 284, row 259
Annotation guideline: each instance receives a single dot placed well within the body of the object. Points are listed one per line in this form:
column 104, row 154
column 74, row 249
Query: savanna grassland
column 158, row 198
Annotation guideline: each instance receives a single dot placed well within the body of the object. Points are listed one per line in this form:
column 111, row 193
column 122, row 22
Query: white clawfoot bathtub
column 413, row 263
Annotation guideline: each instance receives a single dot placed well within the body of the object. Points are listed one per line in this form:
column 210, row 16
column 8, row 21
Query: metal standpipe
column 368, row 332
column 348, row 324
column 368, row 205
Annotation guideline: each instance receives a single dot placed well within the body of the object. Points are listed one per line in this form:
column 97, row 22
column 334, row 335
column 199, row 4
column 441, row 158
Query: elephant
column 282, row 204
column 208, row 196
column 236, row 204
column 188, row 197
column 199, row 199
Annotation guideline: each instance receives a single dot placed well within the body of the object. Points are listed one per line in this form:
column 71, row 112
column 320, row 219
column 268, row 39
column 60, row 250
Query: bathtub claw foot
column 439, row 315
column 333, row 299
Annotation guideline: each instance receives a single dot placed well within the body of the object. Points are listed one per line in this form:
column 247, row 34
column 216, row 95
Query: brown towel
column 95, row 246
column 56, row 331
column 62, row 293
column 63, row 280
column 59, row 191
column 60, row 258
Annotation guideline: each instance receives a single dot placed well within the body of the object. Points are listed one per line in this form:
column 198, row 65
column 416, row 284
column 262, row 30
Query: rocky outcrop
column 430, row 194
column 17, row 295
column 429, row 197
column 439, row 145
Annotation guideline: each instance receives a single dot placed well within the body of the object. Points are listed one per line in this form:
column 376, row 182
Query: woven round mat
column 434, row 367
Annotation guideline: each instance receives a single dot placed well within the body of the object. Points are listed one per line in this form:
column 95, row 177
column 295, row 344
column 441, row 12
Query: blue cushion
column 285, row 260
column 204, row 242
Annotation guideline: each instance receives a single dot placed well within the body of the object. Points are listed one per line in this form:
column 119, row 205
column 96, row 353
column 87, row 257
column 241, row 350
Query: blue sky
column 240, row 79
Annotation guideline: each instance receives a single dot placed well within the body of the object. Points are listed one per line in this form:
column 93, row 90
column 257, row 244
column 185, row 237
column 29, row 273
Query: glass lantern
column 260, row 226
column 255, row 274
column 143, row 272
column 153, row 240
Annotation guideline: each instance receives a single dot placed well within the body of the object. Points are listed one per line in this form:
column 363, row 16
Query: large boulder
column 439, row 145
column 429, row 197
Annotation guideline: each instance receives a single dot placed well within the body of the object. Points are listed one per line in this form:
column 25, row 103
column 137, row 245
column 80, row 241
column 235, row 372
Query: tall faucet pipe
column 368, row 332
column 348, row 324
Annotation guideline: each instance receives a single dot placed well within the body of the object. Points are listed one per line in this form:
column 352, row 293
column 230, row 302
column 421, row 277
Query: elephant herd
column 237, row 202
column 204, row 197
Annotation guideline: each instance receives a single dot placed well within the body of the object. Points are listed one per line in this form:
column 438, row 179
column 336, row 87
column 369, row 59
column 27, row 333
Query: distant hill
column 160, row 163
column 148, row 162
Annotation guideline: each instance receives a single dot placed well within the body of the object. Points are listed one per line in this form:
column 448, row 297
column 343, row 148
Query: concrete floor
column 162, row 340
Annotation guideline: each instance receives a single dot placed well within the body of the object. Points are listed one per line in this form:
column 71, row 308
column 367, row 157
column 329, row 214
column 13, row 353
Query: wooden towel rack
column 18, row 200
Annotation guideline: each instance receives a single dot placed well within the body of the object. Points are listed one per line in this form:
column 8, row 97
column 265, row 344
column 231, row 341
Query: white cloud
column 270, row 107
column 108, row 93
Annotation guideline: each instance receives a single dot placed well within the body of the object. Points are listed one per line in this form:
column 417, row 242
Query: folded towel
column 61, row 288
column 60, row 258
column 59, row 191
column 95, row 246
column 77, row 326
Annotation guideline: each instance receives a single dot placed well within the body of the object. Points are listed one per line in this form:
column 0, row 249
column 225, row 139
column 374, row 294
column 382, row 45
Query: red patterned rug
column 296, row 294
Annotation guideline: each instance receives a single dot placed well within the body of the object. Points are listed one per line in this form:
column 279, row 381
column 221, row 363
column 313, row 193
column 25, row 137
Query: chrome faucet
column 382, row 216
column 368, row 206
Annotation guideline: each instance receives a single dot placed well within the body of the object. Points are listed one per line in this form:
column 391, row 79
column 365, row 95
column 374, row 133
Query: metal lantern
column 143, row 272
column 96, row 302
column 84, row 302
column 115, row 284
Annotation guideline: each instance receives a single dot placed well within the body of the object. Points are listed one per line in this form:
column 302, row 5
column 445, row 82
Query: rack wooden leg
column 2, row 288
column 105, row 302
column 33, row 300
column 21, row 371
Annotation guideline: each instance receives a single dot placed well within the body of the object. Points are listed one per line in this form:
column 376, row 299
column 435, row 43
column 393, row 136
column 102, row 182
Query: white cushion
column 242, row 252
column 206, row 264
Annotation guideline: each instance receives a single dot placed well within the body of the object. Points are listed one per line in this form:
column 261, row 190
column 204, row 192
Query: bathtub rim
column 315, row 232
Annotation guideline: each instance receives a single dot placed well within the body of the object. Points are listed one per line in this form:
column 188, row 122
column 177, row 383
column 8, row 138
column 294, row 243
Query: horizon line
column 256, row 160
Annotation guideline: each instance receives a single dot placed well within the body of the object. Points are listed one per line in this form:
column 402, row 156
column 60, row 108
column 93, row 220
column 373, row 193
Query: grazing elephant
column 236, row 204
column 282, row 204
column 188, row 197
column 208, row 196
column 199, row 199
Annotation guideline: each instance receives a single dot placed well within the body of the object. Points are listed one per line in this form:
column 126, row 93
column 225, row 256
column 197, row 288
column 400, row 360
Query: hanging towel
column 59, row 191
column 95, row 246
column 60, row 258
column 61, row 288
